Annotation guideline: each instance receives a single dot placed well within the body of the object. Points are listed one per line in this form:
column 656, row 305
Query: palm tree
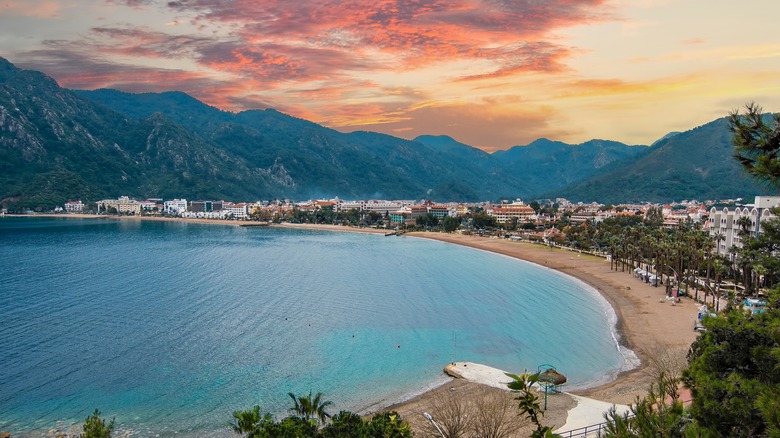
column 246, row 422
column 311, row 407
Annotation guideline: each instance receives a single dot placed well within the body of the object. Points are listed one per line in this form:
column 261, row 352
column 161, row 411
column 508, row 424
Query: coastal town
column 541, row 221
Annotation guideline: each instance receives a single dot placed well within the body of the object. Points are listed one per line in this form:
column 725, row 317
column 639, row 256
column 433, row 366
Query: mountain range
column 58, row 144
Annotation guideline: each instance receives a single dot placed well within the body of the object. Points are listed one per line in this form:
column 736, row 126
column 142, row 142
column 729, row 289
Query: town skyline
column 489, row 74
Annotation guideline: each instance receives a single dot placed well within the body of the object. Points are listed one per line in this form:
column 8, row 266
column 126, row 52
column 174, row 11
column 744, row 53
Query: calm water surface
column 170, row 327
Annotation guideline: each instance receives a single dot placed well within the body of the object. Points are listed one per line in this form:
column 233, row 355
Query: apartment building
column 504, row 213
column 724, row 223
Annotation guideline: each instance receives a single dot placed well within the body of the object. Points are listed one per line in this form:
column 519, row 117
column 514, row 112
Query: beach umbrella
column 553, row 377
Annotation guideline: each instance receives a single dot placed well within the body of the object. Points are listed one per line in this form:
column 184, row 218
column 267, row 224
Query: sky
column 489, row 73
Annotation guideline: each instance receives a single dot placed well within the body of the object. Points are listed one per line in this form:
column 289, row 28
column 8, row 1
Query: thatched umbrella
column 553, row 377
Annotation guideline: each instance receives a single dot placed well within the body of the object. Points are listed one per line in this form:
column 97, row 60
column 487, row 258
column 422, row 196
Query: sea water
column 170, row 327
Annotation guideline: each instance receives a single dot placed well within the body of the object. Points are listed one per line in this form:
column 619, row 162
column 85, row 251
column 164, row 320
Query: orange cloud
column 479, row 125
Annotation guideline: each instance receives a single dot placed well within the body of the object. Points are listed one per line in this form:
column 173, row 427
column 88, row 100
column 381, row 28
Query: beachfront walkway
column 587, row 413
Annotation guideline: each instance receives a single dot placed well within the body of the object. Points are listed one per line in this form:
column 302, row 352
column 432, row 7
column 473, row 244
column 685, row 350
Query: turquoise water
column 170, row 327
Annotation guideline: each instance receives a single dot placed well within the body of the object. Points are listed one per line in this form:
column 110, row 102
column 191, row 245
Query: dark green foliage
column 450, row 224
column 756, row 142
column 95, row 427
column 659, row 414
column 291, row 427
column 249, row 423
column 734, row 373
column 483, row 220
column 311, row 408
column 388, row 425
column 253, row 424
column 384, row 425
column 345, row 424
column 52, row 189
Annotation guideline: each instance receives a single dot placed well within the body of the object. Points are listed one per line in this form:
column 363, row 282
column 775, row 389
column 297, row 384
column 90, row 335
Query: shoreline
column 230, row 222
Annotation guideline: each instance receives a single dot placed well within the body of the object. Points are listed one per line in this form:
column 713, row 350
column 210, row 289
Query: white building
column 74, row 206
column 237, row 211
column 175, row 207
column 123, row 205
column 504, row 213
column 380, row 206
column 725, row 222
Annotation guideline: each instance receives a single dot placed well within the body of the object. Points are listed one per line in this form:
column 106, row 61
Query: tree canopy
column 757, row 143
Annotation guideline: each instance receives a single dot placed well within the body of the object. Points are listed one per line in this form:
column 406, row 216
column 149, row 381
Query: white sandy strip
column 587, row 412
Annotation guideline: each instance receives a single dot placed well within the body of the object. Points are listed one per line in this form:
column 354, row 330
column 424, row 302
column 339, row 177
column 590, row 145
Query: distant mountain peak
column 430, row 137
column 665, row 137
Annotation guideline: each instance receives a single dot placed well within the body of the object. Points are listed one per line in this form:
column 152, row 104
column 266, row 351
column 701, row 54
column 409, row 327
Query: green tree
column 756, row 143
column 659, row 414
column 250, row 422
column 734, row 373
column 311, row 408
column 388, row 425
column 291, row 427
column 95, row 427
column 345, row 424
column 450, row 224
column 734, row 367
column 483, row 220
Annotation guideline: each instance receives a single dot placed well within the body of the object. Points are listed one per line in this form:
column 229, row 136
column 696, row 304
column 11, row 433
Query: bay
column 170, row 327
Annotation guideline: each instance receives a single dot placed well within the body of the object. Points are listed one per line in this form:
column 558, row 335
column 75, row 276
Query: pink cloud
column 313, row 58
column 417, row 31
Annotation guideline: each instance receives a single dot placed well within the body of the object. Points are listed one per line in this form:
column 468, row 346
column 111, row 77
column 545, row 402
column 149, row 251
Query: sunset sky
column 489, row 73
